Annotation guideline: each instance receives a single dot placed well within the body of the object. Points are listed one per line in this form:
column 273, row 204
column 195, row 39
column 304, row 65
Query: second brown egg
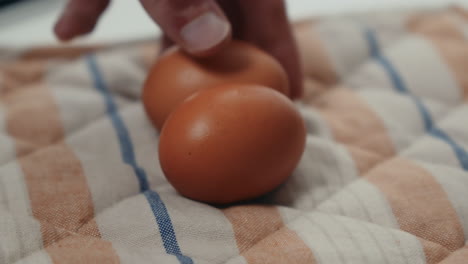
column 176, row 76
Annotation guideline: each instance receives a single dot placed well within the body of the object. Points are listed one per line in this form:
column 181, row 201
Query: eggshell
column 231, row 143
column 176, row 76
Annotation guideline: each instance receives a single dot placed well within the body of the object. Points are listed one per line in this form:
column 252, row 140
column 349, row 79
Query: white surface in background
column 31, row 23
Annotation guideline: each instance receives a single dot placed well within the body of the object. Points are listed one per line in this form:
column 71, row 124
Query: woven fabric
column 384, row 177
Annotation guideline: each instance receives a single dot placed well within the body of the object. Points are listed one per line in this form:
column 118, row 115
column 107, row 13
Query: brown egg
column 176, row 76
column 231, row 143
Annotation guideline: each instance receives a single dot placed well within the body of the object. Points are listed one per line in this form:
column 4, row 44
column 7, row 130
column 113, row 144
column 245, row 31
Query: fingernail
column 204, row 32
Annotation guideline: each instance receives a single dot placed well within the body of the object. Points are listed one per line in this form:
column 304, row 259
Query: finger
column 79, row 17
column 265, row 24
column 166, row 42
column 197, row 26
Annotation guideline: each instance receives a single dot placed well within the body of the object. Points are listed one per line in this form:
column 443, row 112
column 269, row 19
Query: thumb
column 199, row 27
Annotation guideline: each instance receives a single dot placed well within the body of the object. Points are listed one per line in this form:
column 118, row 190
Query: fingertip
column 62, row 31
column 78, row 18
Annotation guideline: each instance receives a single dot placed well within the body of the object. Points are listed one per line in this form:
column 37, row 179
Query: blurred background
column 25, row 23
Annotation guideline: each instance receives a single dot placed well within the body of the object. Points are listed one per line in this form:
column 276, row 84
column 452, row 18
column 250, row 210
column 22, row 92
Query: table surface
column 28, row 24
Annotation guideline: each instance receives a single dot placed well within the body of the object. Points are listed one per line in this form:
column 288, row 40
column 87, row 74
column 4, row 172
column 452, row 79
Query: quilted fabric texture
column 383, row 179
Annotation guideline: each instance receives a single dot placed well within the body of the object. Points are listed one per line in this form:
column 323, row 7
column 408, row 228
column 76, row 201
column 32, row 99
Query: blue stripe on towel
column 128, row 155
column 401, row 87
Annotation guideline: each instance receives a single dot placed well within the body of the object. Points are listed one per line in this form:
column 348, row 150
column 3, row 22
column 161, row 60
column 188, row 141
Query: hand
column 201, row 27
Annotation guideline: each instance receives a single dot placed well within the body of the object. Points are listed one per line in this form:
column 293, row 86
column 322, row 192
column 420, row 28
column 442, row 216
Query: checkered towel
column 384, row 178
